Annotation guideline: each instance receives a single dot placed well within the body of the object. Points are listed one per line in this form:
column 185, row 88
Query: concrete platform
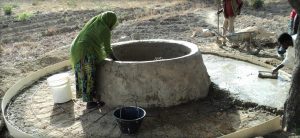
column 33, row 113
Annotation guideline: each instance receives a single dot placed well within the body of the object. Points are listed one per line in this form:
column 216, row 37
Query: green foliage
column 256, row 4
column 24, row 16
column 7, row 9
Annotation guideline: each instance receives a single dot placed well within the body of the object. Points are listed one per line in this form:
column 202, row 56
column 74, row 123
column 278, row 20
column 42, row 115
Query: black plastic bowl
column 129, row 118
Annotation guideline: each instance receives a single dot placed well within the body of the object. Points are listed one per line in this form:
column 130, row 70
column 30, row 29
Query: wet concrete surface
column 241, row 80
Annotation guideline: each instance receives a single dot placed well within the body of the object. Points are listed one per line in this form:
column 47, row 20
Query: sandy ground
column 44, row 39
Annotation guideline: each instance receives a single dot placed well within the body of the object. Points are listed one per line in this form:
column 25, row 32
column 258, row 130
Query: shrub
column 23, row 16
column 256, row 4
column 7, row 9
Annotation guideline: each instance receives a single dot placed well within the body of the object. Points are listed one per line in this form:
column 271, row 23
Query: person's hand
column 281, row 56
column 219, row 11
column 274, row 71
column 238, row 11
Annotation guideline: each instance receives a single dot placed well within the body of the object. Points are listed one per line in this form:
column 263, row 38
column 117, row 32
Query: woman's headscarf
column 94, row 38
column 110, row 19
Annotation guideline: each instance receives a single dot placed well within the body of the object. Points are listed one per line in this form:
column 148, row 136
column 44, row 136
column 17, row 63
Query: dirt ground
column 45, row 38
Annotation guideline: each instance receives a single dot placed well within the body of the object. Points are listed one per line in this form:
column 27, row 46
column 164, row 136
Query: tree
column 291, row 118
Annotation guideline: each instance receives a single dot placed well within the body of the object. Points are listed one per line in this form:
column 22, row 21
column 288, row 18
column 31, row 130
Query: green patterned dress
column 90, row 47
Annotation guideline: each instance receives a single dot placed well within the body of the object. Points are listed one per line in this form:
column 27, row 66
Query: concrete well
column 153, row 73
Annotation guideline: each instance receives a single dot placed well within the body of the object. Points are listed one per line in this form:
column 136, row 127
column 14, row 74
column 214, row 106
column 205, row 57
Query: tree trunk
column 292, row 104
column 291, row 118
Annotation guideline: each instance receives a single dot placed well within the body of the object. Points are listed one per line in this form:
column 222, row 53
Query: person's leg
column 81, row 78
column 90, row 78
column 225, row 26
column 295, row 24
column 78, row 79
column 231, row 25
column 231, row 30
column 89, row 90
column 85, row 75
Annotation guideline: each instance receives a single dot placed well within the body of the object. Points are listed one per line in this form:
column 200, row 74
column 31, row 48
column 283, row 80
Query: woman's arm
column 108, row 49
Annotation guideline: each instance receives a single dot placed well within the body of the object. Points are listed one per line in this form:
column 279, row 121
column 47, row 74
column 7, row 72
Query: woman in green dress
column 90, row 47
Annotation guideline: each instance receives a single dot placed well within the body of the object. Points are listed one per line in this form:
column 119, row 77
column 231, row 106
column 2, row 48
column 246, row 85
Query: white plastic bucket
column 60, row 87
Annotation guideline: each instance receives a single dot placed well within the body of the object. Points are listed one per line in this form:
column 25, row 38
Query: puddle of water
column 240, row 78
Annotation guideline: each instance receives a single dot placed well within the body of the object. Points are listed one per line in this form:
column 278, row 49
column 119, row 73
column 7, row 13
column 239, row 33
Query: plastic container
column 60, row 87
column 129, row 118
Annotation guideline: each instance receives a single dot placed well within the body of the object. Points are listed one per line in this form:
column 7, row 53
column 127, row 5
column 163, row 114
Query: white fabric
column 290, row 57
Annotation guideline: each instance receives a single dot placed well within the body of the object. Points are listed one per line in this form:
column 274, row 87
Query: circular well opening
column 148, row 51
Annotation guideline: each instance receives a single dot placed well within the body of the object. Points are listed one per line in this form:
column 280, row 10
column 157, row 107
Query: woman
column 91, row 46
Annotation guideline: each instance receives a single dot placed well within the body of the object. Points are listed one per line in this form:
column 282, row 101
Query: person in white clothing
column 286, row 43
